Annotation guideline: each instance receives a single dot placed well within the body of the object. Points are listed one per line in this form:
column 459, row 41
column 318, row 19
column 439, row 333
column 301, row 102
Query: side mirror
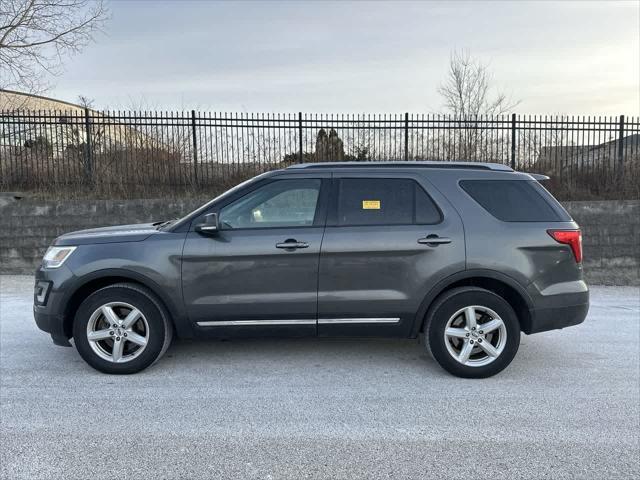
column 210, row 225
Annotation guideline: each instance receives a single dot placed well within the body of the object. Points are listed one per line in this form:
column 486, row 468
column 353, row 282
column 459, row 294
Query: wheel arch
column 499, row 283
column 104, row 278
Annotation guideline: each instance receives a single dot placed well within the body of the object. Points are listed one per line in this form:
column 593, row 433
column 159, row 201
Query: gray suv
column 467, row 255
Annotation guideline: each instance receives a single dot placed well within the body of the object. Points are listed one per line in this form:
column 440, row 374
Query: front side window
column 282, row 203
column 388, row 201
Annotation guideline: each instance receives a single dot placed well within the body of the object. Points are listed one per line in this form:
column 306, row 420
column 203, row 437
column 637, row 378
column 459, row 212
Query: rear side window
column 515, row 200
column 389, row 201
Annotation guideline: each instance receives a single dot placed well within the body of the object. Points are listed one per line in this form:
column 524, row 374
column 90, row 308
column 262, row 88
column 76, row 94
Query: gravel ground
column 568, row 407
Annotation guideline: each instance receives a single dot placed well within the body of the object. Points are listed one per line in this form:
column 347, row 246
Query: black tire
column 160, row 328
column 446, row 306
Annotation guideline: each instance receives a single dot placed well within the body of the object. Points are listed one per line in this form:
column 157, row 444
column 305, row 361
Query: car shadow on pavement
column 395, row 356
column 300, row 354
column 304, row 356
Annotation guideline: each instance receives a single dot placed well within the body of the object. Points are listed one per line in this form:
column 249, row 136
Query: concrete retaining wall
column 611, row 240
column 27, row 226
column 611, row 230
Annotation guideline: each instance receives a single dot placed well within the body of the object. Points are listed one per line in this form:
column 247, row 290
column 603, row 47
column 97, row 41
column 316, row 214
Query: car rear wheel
column 472, row 332
column 121, row 328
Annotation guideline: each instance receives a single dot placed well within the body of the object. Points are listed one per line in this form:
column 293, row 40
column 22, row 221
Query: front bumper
column 48, row 310
column 53, row 324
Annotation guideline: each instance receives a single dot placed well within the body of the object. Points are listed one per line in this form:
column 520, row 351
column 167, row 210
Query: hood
column 116, row 234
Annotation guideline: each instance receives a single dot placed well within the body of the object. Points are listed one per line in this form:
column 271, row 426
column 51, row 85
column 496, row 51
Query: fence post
column 406, row 136
column 195, row 146
column 88, row 158
column 513, row 141
column 621, row 149
column 301, row 155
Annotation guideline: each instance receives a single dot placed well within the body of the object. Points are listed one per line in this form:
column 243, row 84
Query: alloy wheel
column 475, row 336
column 118, row 332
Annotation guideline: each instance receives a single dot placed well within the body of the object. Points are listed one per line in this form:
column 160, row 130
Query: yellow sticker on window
column 371, row 204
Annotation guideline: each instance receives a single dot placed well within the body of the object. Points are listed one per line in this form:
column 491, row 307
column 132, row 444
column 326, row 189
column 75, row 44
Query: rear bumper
column 559, row 306
column 544, row 319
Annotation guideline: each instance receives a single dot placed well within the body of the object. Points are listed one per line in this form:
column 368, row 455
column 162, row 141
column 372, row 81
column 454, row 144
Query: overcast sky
column 324, row 56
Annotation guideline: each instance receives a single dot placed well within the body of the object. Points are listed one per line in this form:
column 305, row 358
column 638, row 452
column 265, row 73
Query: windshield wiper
column 159, row 225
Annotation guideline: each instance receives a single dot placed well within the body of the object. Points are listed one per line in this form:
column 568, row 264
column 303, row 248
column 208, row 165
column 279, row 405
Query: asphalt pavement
column 567, row 407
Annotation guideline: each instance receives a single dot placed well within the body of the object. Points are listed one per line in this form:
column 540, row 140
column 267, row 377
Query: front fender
column 172, row 302
column 155, row 263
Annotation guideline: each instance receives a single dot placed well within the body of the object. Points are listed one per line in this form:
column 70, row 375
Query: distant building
column 61, row 127
column 556, row 159
column 12, row 101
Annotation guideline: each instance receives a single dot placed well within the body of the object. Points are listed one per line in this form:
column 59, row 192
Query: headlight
column 56, row 256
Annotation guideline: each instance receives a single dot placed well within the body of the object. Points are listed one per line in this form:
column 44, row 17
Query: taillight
column 573, row 238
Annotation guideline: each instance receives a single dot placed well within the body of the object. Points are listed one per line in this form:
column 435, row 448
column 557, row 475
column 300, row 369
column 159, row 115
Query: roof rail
column 405, row 164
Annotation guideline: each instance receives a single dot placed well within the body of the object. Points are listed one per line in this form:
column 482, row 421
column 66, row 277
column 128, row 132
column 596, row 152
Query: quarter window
column 515, row 200
column 282, row 203
column 390, row 201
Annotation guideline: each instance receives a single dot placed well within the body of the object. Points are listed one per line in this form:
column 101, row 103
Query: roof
column 408, row 164
column 12, row 100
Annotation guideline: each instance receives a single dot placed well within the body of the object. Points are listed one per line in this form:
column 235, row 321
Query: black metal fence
column 141, row 154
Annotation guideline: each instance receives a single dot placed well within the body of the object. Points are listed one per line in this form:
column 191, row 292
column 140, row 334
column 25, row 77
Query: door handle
column 292, row 243
column 434, row 240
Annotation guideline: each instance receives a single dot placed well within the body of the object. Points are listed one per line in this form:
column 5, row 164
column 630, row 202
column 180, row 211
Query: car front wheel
column 121, row 329
column 472, row 332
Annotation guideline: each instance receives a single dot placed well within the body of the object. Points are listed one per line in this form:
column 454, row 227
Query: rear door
column 389, row 238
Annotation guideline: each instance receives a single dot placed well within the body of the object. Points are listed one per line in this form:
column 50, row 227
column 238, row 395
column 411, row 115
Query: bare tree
column 86, row 102
column 470, row 97
column 36, row 35
column 467, row 90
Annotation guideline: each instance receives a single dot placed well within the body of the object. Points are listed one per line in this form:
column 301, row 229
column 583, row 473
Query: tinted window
column 375, row 201
column 283, row 203
column 514, row 200
column 426, row 211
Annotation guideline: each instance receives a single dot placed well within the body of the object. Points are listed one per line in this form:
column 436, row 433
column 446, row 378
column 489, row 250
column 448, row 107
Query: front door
column 259, row 273
column 387, row 242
